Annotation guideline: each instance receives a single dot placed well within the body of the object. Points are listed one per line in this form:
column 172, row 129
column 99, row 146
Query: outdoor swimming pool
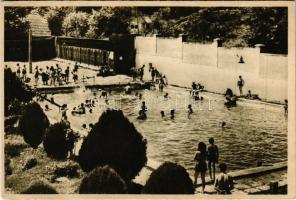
column 254, row 132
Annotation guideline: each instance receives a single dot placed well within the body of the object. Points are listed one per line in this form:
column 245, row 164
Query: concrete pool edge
column 237, row 175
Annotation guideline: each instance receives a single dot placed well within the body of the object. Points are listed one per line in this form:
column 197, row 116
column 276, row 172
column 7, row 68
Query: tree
column 76, row 24
column 56, row 143
column 14, row 90
column 33, row 124
column 114, row 141
column 102, row 180
column 169, row 178
column 107, row 20
column 16, row 26
column 55, row 17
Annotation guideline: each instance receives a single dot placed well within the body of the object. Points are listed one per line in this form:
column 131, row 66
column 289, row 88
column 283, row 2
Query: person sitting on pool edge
column 224, row 182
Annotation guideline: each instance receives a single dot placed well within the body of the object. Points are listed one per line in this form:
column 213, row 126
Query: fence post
column 79, row 54
column 30, row 51
column 259, row 49
column 155, row 41
column 216, row 44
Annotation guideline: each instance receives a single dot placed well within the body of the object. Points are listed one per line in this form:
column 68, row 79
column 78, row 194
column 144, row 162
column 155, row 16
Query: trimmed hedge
column 102, row 180
column 33, row 124
column 114, row 141
column 39, row 187
column 169, row 178
column 56, row 143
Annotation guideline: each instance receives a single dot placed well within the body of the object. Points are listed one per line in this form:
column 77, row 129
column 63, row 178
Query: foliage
column 30, row 163
column 75, row 24
column 69, row 169
column 56, row 143
column 39, row 187
column 169, row 178
column 239, row 27
column 7, row 166
column 13, row 149
column 102, row 180
column 33, row 124
column 106, row 21
column 114, row 141
column 16, row 26
column 14, row 92
column 55, row 17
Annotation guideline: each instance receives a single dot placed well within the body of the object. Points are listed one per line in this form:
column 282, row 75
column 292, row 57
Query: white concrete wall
column 216, row 67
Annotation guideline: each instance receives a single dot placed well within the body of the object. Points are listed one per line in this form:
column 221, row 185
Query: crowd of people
column 206, row 157
column 53, row 75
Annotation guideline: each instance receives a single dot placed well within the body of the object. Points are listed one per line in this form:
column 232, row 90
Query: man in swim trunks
column 213, row 156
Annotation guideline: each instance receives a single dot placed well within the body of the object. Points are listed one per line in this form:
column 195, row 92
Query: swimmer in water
column 143, row 107
column 190, row 110
column 223, row 124
column 166, row 95
column 90, row 110
column 84, row 126
column 162, row 114
column 47, row 108
column 142, row 115
column 140, row 96
column 173, row 114
column 91, row 126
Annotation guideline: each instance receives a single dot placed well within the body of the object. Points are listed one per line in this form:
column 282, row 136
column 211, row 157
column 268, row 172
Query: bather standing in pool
column 213, row 156
column 240, row 84
column 201, row 165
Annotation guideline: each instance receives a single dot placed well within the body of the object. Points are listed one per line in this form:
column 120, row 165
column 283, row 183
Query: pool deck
column 237, row 175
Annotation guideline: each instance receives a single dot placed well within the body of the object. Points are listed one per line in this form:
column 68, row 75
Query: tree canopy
column 235, row 26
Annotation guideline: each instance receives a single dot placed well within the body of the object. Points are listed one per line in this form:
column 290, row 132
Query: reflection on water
column 253, row 132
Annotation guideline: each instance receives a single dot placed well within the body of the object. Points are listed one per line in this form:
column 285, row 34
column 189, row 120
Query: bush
column 134, row 188
column 56, row 143
column 33, row 124
column 102, row 180
column 39, row 187
column 12, row 149
column 8, row 169
column 30, row 163
column 69, row 170
column 114, row 141
column 169, row 178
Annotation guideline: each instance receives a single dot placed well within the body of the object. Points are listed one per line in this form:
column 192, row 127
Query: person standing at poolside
column 24, row 73
column 286, row 107
column 240, row 84
column 213, row 156
column 224, row 182
column 142, row 72
column 36, row 76
column 201, row 165
column 18, row 71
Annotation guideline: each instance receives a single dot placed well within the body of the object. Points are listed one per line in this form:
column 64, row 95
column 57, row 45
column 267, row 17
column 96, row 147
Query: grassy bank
column 45, row 169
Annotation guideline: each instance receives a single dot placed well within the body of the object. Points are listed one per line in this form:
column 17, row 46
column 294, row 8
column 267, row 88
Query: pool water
column 253, row 132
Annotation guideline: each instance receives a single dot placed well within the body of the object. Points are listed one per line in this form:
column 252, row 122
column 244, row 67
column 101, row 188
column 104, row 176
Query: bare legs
column 203, row 179
column 212, row 175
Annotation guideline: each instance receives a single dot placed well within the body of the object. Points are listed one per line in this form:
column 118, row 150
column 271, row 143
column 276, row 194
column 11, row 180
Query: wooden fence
column 84, row 55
